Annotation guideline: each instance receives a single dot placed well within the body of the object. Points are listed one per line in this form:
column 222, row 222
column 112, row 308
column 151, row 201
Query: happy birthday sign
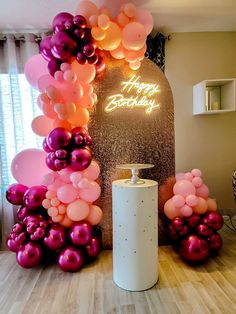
column 135, row 94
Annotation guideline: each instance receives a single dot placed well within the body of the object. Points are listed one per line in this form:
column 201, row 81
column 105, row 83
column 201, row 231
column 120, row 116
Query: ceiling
column 169, row 15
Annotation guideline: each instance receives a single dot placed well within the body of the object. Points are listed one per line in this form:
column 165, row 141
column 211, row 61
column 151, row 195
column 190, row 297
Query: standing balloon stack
column 56, row 187
column 194, row 219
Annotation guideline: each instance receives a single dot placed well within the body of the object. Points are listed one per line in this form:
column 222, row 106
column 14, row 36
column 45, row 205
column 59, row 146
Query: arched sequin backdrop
column 132, row 136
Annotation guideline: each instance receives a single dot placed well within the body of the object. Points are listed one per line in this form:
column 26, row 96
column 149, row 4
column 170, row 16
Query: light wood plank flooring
column 181, row 289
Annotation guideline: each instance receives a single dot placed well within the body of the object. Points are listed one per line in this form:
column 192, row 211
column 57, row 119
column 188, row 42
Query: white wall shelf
column 214, row 96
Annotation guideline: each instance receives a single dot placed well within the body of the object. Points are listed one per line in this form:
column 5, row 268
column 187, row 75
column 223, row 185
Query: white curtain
column 18, row 107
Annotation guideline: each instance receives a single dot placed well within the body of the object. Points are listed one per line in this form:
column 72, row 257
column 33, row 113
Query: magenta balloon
column 80, row 21
column 204, row 231
column 60, row 19
column 79, row 136
column 58, row 138
column 28, row 167
column 29, row 255
column 80, row 159
column 71, row 259
column 173, row 233
column 193, row 220
column 45, row 48
column 80, row 233
column 15, row 193
column 194, row 249
column 55, row 238
column 14, row 241
column 34, row 196
column 63, row 47
column 213, row 220
column 22, row 212
column 215, row 242
column 33, row 218
column 93, row 248
column 178, row 223
column 35, row 67
column 46, row 148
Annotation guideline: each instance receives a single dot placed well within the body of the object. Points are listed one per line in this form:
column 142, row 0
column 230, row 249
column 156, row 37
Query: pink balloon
column 77, row 210
column 90, row 194
column 184, row 188
column 85, row 73
column 118, row 53
column 65, row 174
column 95, row 215
column 171, row 211
column 55, row 185
column 145, row 18
column 178, row 200
column 92, row 172
column 86, row 9
column 42, row 125
column 188, row 176
column 35, row 67
column 67, row 193
column 202, row 191
column 28, row 167
column 197, row 182
column 179, row 176
column 134, row 36
column 186, row 211
column 46, row 80
column 196, row 173
column 191, row 200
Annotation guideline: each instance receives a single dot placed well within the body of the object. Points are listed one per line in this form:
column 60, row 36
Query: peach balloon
column 134, row 36
column 48, row 110
column 85, row 73
column 98, row 33
column 118, row 53
column 212, row 205
column 130, row 9
column 91, row 193
column 144, row 17
column 95, row 215
column 86, row 101
column 93, row 20
column 80, row 117
column 42, row 125
column 122, row 19
column 67, row 193
column 57, row 123
column 57, row 218
column 66, row 222
column 103, row 21
column 201, row 207
column 92, row 172
column 87, row 88
column 78, row 210
column 171, row 211
column 130, row 56
column 87, row 9
column 135, row 65
column 112, row 39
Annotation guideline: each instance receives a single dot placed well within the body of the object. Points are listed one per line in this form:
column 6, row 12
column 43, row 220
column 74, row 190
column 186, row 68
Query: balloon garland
column 57, row 217
column 194, row 218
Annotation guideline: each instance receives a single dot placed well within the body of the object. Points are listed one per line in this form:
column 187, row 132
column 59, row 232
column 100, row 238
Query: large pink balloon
column 145, row 18
column 85, row 73
column 67, row 193
column 35, row 67
column 184, row 188
column 134, row 36
column 77, row 210
column 92, row 172
column 42, row 125
column 91, row 193
column 28, row 167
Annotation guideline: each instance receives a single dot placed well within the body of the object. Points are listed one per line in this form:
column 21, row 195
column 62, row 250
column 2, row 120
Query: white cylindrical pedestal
column 135, row 245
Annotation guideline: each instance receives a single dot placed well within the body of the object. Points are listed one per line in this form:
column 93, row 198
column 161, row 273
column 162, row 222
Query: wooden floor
column 181, row 289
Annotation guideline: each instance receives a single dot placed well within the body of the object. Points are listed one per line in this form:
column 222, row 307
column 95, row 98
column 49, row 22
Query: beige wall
column 207, row 142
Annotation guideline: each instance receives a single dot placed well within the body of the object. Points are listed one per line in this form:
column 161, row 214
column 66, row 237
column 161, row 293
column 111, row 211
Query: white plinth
column 135, row 232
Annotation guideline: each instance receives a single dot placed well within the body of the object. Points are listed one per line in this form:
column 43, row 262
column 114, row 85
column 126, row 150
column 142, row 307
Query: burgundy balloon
column 15, row 193
column 80, row 233
column 62, row 46
column 45, row 48
column 100, row 65
column 60, row 19
column 93, row 59
column 173, row 233
column 60, row 164
column 71, row 259
column 194, row 249
column 215, row 242
column 193, row 220
column 79, row 21
column 183, row 232
column 178, row 223
column 34, row 196
column 204, row 231
column 58, row 138
column 61, row 153
column 33, row 218
column 29, row 255
column 46, row 148
column 55, row 238
column 50, row 161
column 93, row 248
column 79, row 33
column 89, row 50
column 15, row 240
column 81, row 137
column 37, row 229
column 213, row 220
column 81, row 58
column 53, row 66
column 80, row 159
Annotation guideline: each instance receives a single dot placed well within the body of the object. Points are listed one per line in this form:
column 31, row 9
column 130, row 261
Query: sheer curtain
column 18, row 106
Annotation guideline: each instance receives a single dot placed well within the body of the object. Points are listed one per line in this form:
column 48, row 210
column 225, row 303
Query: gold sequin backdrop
column 131, row 136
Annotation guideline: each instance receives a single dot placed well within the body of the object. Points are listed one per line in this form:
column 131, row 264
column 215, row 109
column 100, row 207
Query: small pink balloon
column 188, row 176
column 178, row 200
column 92, row 172
column 90, row 194
column 184, row 188
column 197, row 182
column 171, row 211
column 48, row 178
column 196, row 173
column 144, row 17
column 35, row 67
column 65, row 174
column 186, row 211
column 42, row 125
column 75, row 177
column 179, row 176
column 67, row 193
column 46, row 80
column 28, row 167
column 84, row 183
column 77, row 210
column 202, row 191
column 95, row 215
column 191, row 200
column 55, row 185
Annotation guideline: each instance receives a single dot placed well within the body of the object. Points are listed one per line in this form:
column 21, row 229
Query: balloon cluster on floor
column 194, row 218
column 57, row 186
